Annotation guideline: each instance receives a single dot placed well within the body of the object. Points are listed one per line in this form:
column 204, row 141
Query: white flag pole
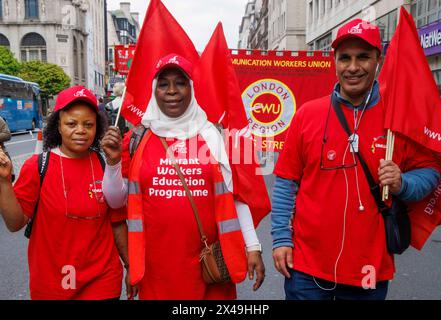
column 122, row 102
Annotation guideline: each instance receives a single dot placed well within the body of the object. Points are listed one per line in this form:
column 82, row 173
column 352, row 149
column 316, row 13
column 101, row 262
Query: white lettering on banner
column 180, row 161
column 431, row 39
column 172, row 171
column 168, row 194
column 136, row 110
column 166, row 177
column 177, row 182
column 433, row 201
column 432, row 134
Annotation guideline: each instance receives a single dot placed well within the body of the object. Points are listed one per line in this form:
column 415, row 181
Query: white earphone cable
column 344, row 229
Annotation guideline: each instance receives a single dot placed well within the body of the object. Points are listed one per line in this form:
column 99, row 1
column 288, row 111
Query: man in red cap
column 335, row 247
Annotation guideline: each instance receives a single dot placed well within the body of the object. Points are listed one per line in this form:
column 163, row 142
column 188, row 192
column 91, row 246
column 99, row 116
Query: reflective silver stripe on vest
column 133, row 187
column 135, row 225
column 221, row 188
column 229, row 226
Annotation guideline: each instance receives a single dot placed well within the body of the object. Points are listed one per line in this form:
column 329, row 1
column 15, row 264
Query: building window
column 310, row 12
column 426, row 11
column 75, row 59
column 1, row 9
column 316, row 9
column 4, row 41
column 83, row 62
column 324, row 43
column 33, row 47
column 437, row 76
column 31, row 9
column 387, row 25
column 111, row 57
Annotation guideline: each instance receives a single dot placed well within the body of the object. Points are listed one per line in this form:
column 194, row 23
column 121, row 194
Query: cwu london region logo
column 270, row 106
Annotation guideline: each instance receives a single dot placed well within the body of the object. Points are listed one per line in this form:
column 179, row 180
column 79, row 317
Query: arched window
column 83, row 61
column 75, row 58
column 4, row 41
column 31, row 9
column 33, row 47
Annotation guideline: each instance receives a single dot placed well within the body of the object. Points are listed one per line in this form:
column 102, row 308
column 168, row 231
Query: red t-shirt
column 173, row 241
column 62, row 249
column 320, row 204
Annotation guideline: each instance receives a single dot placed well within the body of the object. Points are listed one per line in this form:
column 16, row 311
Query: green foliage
column 51, row 78
column 8, row 64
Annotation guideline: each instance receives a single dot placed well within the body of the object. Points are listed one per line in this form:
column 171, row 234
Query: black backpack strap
column 101, row 157
column 43, row 162
column 374, row 187
column 138, row 133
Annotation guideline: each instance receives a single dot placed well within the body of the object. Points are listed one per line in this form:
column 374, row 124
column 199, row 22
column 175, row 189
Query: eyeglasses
column 94, row 216
column 332, row 154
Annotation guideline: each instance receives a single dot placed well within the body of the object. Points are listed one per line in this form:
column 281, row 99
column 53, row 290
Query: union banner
column 123, row 58
column 274, row 84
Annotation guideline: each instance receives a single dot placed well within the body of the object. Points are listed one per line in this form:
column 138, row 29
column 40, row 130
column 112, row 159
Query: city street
column 418, row 273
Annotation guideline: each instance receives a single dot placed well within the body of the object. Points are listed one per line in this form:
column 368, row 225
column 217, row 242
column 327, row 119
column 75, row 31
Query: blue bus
column 20, row 103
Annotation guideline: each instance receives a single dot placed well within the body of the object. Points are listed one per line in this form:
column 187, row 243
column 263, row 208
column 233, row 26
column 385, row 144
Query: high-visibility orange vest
column 229, row 231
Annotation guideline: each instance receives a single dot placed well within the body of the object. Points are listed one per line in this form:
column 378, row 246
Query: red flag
column 408, row 89
column 160, row 35
column 425, row 216
column 152, row 6
column 218, row 93
column 216, row 84
column 248, row 182
column 413, row 108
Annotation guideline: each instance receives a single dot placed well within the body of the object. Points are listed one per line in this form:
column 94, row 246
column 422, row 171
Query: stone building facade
column 69, row 33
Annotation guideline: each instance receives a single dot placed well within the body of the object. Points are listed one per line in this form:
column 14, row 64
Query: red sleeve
column 290, row 163
column 27, row 187
column 125, row 156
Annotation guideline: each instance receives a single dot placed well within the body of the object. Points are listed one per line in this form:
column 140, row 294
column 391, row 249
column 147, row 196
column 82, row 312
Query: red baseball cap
column 75, row 93
column 359, row 29
column 174, row 60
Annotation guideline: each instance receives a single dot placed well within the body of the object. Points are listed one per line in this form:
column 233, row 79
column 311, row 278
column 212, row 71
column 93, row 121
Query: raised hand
column 112, row 145
column 5, row 166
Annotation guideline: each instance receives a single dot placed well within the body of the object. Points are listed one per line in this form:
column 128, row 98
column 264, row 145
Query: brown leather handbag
column 214, row 269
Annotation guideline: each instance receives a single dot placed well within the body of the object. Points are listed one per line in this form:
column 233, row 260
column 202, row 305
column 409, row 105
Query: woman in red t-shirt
column 72, row 252
column 164, row 238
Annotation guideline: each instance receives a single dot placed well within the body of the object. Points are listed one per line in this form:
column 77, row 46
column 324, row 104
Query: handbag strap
column 187, row 190
column 374, row 187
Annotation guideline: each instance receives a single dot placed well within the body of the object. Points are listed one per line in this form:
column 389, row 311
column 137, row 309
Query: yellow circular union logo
column 270, row 106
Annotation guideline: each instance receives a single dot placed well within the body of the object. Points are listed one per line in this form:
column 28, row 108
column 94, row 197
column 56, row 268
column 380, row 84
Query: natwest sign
column 430, row 37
